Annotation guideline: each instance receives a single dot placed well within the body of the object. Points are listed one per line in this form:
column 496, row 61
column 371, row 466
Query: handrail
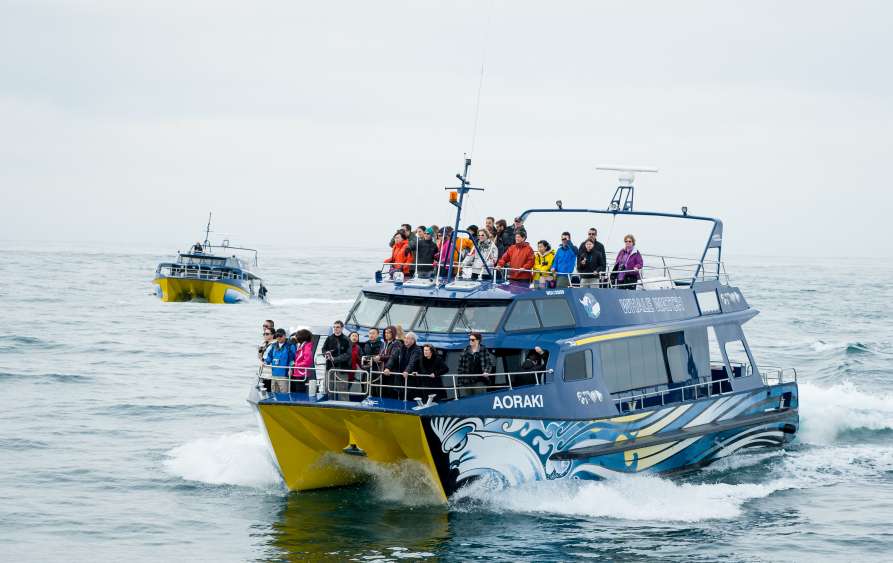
column 674, row 274
column 338, row 381
column 632, row 401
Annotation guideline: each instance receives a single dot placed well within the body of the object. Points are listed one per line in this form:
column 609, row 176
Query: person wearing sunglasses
column 281, row 356
column 565, row 260
column 477, row 362
column 262, row 349
column 628, row 265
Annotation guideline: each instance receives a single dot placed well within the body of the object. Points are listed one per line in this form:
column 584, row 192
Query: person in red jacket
column 401, row 255
column 518, row 258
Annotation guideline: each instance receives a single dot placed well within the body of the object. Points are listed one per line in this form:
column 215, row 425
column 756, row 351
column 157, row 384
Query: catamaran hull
column 186, row 289
column 319, row 445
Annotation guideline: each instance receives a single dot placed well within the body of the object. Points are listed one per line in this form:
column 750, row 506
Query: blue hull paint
column 674, row 438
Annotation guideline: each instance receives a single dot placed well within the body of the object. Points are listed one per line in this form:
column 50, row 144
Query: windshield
column 441, row 316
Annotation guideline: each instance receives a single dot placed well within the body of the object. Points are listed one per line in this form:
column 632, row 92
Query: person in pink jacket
column 303, row 360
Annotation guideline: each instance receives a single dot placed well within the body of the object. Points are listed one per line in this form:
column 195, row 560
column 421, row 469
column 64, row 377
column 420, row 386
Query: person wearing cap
column 518, row 258
column 425, row 252
column 280, row 355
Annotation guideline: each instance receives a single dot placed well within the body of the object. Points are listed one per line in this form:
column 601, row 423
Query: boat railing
column 196, row 272
column 670, row 273
column 773, row 375
column 345, row 383
column 667, row 394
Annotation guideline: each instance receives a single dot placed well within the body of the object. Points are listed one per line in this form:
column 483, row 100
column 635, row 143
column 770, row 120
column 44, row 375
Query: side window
column 522, row 317
column 554, row 312
column 633, row 363
column 578, row 366
column 737, row 358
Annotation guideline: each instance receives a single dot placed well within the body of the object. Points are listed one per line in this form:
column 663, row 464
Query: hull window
column 578, row 366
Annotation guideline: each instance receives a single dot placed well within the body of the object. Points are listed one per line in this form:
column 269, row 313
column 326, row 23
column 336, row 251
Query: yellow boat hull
column 309, row 444
column 186, row 289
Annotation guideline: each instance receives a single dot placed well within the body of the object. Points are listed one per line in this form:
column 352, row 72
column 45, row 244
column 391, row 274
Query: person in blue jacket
column 280, row 355
column 565, row 260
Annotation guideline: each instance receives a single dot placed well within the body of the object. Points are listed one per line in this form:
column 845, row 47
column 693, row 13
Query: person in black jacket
column 599, row 248
column 424, row 250
column 372, row 346
column 588, row 263
column 404, row 360
column 431, row 367
column 534, row 362
column 477, row 362
column 337, row 348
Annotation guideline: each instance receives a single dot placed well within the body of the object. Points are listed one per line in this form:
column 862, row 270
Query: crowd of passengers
column 424, row 251
column 398, row 362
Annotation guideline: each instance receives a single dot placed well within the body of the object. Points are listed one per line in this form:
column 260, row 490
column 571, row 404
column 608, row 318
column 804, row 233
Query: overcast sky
column 324, row 122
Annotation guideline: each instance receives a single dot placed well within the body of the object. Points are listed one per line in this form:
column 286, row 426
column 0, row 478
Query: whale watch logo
column 591, row 306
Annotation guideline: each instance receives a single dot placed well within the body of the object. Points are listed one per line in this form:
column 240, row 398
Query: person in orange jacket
column 401, row 255
column 519, row 258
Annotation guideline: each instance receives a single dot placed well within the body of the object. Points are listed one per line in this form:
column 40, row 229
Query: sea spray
column 231, row 459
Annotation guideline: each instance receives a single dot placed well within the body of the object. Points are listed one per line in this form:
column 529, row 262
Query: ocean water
column 125, row 435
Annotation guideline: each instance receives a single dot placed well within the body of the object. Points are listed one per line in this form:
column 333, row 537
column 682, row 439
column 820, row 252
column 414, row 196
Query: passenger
column 269, row 325
column 197, row 248
column 303, row 371
column 404, row 361
column 410, row 234
column 542, row 264
column 476, row 363
column 336, row 348
column 503, row 241
column 464, row 245
column 431, row 368
column 534, row 362
column 587, row 262
column 389, row 347
column 565, row 260
column 473, row 265
column 281, row 356
column 425, row 253
column 262, row 350
column 357, row 375
column 401, row 255
column 490, row 224
column 599, row 248
column 628, row 265
column 373, row 344
column 518, row 258
column 443, row 254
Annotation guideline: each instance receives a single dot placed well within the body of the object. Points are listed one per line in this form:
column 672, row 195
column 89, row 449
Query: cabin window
column 738, row 359
column 554, row 312
column 685, row 354
column 402, row 314
column 437, row 319
column 367, row 311
column 578, row 366
column 633, row 363
column 522, row 317
column 479, row 318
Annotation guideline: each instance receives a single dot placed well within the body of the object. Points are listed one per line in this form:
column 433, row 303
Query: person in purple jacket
column 628, row 265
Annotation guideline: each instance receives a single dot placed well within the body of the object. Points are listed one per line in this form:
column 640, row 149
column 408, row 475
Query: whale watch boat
column 212, row 273
column 656, row 380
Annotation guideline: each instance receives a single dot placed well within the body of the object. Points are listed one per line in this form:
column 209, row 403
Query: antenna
column 625, row 192
column 457, row 198
column 208, row 231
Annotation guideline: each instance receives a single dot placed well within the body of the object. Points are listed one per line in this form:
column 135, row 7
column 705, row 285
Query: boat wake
column 823, row 458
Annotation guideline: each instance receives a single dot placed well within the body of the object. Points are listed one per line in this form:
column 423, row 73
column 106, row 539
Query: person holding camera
column 280, row 355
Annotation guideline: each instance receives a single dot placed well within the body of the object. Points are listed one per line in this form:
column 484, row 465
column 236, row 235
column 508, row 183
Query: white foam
column 634, row 497
column 231, row 459
column 825, row 412
column 822, row 346
column 407, row 482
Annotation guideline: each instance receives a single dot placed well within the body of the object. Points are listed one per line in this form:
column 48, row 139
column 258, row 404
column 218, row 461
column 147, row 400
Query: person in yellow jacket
column 542, row 263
